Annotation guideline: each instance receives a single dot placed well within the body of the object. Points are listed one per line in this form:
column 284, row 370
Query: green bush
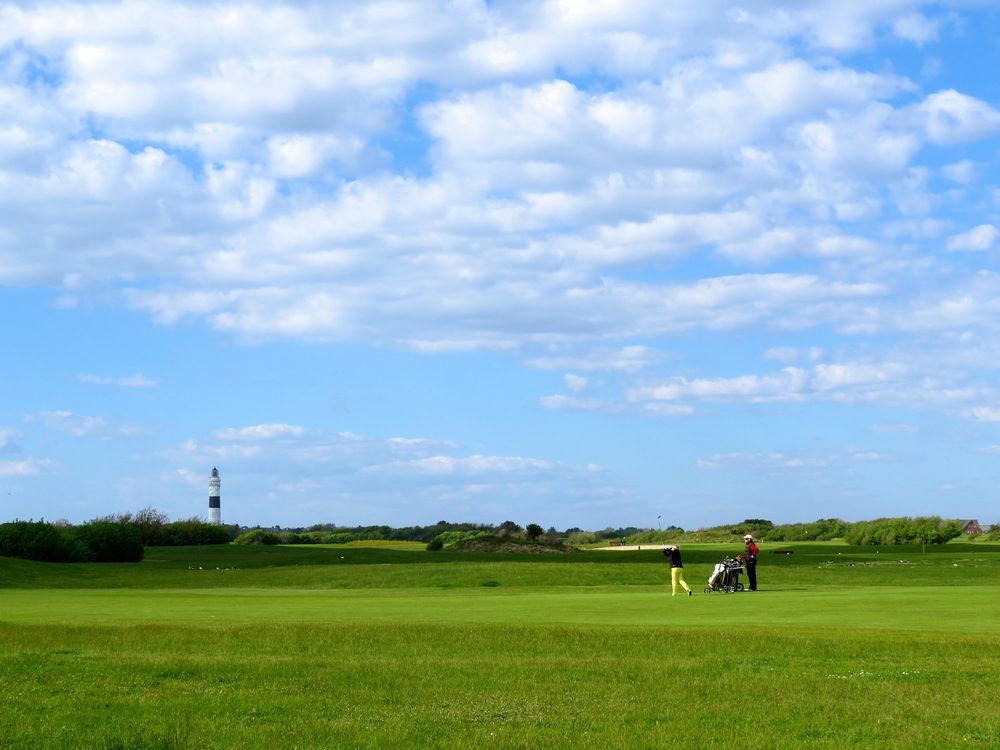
column 435, row 544
column 110, row 542
column 193, row 531
column 450, row 537
column 38, row 540
column 921, row 530
column 155, row 531
column 258, row 536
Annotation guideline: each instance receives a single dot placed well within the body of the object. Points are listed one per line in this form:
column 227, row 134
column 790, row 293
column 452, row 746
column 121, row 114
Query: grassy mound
column 488, row 543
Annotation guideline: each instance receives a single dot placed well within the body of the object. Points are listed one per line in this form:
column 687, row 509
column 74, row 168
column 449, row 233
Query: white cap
column 748, row 536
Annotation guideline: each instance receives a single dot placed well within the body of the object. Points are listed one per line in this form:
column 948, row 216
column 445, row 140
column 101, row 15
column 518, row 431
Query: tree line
column 123, row 537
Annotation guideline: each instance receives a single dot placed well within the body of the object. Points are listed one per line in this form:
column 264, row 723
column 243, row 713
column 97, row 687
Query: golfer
column 750, row 551
column 673, row 553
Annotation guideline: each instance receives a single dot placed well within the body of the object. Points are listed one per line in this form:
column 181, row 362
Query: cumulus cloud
column 786, row 385
column 916, row 27
column 917, row 381
column 570, row 183
column 982, row 237
column 986, row 413
column 953, row 117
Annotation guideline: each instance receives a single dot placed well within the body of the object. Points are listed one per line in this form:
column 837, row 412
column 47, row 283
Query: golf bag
column 725, row 577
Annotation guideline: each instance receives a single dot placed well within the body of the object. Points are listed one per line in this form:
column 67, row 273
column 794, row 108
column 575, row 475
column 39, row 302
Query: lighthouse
column 214, row 501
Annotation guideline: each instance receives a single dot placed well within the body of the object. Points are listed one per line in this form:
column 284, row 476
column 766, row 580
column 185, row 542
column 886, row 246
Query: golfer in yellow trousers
column 673, row 553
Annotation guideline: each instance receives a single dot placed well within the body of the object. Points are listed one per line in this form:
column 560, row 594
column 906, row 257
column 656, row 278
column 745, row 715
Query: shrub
column 489, row 543
column 258, row 536
column 993, row 535
column 923, row 530
column 150, row 523
column 435, row 544
column 37, row 540
column 450, row 537
column 110, row 542
column 342, row 537
column 193, row 531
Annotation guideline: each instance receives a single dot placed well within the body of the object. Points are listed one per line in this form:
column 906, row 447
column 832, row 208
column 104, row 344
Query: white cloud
column 628, row 359
column 128, row 381
column 356, row 173
column 978, row 238
column 770, row 460
column 786, row 385
column 559, row 401
column 952, row 117
column 986, row 414
column 466, row 466
column 894, row 427
column 295, row 155
column 917, row 382
column 917, row 28
column 856, row 454
column 260, row 432
column 419, row 443
column 961, row 172
column 26, row 468
column 575, row 383
column 83, row 426
column 835, row 376
column 792, row 355
column 655, row 409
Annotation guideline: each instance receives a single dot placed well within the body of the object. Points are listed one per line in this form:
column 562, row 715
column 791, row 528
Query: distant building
column 970, row 526
column 214, row 498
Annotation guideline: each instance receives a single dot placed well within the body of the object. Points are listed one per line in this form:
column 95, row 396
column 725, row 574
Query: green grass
column 356, row 646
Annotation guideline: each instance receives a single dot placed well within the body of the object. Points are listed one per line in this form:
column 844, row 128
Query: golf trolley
column 725, row 577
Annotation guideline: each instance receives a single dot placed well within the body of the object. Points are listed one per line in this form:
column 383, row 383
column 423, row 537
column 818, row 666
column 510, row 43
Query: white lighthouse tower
column 214, row 499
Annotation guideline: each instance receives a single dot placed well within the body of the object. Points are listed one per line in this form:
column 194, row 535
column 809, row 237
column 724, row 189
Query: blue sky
column 577, row 263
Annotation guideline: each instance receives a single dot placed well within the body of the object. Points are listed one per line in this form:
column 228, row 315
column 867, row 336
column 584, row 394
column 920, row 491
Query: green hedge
column 110, row 542
column 38, row 540
column 97, row 541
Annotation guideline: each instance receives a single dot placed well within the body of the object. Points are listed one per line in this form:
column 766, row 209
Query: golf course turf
column 355, row 646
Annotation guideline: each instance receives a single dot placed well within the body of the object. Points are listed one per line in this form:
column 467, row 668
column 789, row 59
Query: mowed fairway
column 363, row 647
